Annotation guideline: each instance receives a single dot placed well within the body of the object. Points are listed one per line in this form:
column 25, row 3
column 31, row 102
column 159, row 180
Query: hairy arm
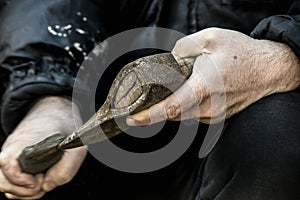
column 49, row 115
column 232, row 70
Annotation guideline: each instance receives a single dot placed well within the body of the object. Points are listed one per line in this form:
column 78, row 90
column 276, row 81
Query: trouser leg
column 258, row 156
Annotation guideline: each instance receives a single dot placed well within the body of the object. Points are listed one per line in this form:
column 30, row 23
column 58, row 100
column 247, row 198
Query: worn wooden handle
column 42, row 155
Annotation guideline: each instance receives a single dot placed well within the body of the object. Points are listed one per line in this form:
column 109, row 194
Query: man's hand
column 249, row 69
column 50, row 115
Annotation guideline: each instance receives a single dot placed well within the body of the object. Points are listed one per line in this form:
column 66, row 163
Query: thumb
column 191, row 46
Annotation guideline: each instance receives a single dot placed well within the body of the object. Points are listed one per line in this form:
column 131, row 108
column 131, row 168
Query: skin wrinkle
column 173, row 110
column 286, row 58
column 247, row 91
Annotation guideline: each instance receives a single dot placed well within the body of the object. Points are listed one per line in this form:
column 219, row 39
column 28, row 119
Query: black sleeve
column 130, row 14
column 42, row 44
column 282, row 28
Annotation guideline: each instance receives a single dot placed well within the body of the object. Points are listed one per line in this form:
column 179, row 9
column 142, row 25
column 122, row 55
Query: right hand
column 231, row 71
column 48, row 116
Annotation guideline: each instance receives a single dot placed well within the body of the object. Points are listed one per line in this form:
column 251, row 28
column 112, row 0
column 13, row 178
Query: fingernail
column 130, row 121
column 9, row 196
column 48, row 186
column 31, row 186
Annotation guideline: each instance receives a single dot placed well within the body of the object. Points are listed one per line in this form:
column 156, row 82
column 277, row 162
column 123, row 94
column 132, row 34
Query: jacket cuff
column 36, row 80
column 280, row 28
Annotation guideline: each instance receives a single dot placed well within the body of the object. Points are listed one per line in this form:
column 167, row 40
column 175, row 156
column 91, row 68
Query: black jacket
column 43, row 42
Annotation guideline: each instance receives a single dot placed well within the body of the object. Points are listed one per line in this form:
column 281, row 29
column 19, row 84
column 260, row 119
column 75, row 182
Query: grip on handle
column 42, row 155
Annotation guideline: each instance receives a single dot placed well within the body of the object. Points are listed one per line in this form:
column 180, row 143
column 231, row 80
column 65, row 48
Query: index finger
column 12, row 171
column 170, row 108
column 192, row 45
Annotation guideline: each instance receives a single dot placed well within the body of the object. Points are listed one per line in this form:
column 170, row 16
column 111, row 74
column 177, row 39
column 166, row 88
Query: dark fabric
column 98, row 181
column 42, row 44
column 176, row 181
column 29, row 43
column 3, row 3
column 189, row 16
column 257, row 157
column 262, row 19
column 282, row 28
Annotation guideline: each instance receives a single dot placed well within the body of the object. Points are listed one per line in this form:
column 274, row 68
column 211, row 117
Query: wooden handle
column 42, row 155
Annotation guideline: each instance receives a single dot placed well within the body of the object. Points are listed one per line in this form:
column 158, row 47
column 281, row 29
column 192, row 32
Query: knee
column 258, row 152
column 267, row 130
column 264, row 139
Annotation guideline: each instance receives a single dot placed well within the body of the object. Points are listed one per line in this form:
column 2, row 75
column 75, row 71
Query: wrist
column 277, row 53
column 285, row 73
column 52, row 114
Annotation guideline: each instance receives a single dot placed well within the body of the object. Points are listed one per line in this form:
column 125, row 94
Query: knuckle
column 201, row 92
column 178, row 43
column 210, row 34
column 172, row 110
column 63, row 177
column 183, row 41
column 178, row 48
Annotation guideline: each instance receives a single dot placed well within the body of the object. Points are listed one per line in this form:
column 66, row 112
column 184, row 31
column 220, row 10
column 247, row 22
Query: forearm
column 54, row 110
column 283, row 61
column 48, row 116
column 42, row 51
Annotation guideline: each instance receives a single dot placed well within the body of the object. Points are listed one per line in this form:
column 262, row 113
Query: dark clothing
column 257, row 158
column 258, row 155
column 43, row 43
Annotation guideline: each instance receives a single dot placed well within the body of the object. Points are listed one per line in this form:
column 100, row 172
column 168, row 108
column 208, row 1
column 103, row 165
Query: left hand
column 48, row 116
column 250, row 69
